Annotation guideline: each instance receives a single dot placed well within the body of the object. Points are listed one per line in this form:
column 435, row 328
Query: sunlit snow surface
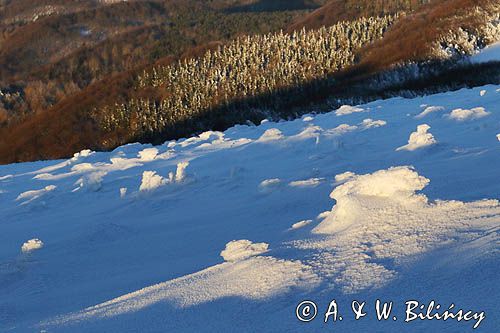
column 490, row 53
column 324, row 207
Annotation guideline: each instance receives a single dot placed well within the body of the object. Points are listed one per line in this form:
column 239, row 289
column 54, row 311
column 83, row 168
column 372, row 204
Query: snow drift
column 243, row 249
column 419, row 139
column 395, row 186
column 32, row 245
column 135, row 242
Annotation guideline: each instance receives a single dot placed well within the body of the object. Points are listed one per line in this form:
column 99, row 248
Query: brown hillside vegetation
column 69, row 127
column 345, row 10
column 423, row 35
column 63, row 129
column 44, row 60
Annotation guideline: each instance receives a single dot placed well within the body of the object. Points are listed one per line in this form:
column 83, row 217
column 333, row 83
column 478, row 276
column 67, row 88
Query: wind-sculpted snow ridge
column 209, row 233
column 380, row 218
column 428, row 110
column 255, row 278
column 377, row 219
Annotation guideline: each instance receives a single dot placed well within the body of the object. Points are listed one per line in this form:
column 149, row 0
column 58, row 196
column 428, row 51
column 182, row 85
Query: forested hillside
column 212, row 65
column 253, row 68
column 47, row 56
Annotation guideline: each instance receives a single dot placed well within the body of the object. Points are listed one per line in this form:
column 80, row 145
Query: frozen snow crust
column 393, row 200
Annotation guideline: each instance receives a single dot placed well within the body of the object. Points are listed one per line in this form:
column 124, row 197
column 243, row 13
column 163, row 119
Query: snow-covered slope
column 393, row 200
column 490, row 53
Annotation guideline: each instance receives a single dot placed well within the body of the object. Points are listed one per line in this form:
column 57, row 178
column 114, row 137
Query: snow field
column 319, row 206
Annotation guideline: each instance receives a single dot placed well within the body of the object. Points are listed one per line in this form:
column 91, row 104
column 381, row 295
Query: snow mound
column 83, row 153
column 211, row 135
column 271, row 135
column 348, row 109
column 428, row 110
column 419, row 139
column 310, row 132
column 341, row 129
column 92, row 181
column 370, row 123
column 300, row 224
column 379, row 223
column 151, row 181
column 397, row 185
column 465, row 114
column 148, row 154
column 312, row 182
column 269, row 185
column 180, row 174
column 81, row 167
column 32, row 245
column 238, row 250
column 32, row 195
column 343, row 177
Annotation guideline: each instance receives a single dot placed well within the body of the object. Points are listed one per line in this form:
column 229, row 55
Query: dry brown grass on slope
column 66, row 128
column 347, row 10
column 416, row 37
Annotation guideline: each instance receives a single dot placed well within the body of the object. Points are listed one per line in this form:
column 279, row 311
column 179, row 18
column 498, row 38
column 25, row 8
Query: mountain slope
column 237, row 228
column 432, row 39
column 346, row 10
column 46, row 59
